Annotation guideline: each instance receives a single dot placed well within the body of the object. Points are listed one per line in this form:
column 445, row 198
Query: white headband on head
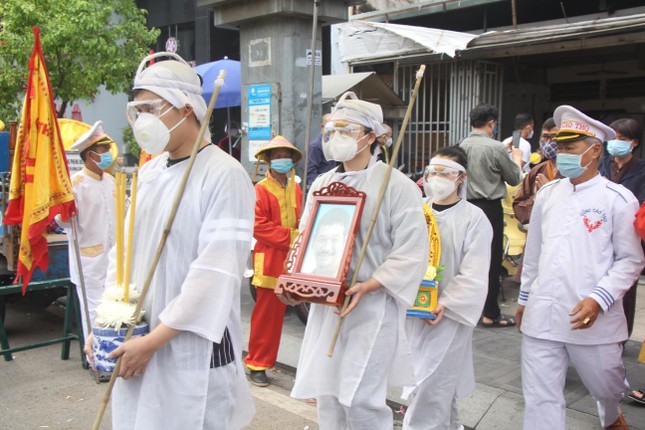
column 446, row 162
column 350, row 108
column 173, row 80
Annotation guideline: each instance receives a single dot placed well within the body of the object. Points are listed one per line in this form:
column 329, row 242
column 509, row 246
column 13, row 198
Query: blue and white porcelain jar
column 105, row 340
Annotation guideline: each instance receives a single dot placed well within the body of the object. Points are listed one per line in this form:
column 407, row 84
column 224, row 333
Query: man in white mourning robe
column 442, row 348
column 187, row 373
column 350, row 387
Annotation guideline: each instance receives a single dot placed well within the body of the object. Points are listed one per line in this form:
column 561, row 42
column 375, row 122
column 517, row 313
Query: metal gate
column 440, row 115
column 471, row 83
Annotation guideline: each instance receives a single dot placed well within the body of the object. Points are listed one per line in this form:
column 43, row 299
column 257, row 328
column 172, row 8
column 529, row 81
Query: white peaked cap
column 173, row 80
column 349, row 108
column 90, row 137
column 575, row 125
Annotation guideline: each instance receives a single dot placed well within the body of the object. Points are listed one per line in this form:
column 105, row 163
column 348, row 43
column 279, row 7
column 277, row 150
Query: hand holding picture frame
column 319, row 259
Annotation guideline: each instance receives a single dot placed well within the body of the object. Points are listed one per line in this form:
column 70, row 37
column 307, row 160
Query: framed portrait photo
column 319, row 259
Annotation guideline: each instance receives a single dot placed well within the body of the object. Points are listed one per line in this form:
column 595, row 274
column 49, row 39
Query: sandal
column 638, row 396
column 500, row 321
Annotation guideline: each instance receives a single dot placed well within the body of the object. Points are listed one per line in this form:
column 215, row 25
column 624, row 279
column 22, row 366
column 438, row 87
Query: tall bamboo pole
column 379, row 200
column 162, row 242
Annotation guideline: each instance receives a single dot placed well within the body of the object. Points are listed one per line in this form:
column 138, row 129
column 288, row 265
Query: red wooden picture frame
column 316, row 266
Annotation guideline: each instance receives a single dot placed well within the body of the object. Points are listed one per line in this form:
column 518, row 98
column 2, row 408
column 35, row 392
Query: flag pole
column 162, row 242
column 379, row 200
column 81, row 278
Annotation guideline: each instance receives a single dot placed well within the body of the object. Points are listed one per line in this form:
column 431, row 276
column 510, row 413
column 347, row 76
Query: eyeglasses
column 548, row 136
column 344, row 128
column 442, row 172
column 153, row 107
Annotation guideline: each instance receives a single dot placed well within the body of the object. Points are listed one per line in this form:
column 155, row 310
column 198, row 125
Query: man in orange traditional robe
column 277, row 215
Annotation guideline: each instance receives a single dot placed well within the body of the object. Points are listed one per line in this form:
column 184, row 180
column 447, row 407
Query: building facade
column 544, row 54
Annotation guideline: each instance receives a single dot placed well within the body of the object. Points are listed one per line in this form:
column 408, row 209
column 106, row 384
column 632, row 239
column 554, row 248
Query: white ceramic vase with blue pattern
column 105, row 340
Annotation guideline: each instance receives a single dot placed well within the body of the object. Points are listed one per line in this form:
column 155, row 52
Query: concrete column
column 203, row 28
column 284, row 62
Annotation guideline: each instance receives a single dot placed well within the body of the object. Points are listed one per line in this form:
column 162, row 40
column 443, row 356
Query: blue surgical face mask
column 619, row 148
column 282, row 165
column 106, row 160
column 569, row 165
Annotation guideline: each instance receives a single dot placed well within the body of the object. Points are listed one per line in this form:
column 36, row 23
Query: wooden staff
column 379, row 200
column 162, row 242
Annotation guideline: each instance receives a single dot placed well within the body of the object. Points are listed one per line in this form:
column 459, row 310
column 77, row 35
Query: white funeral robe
column 581, row 243
column 195, row 289
column 95, row 201
column 442, row 354
column 397, row 257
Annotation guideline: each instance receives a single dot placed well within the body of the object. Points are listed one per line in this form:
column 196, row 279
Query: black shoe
column 259, row 378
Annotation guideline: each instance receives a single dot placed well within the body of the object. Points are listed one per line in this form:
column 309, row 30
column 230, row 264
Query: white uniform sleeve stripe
column 609, row 295
column 595, row 294
column 606, row 297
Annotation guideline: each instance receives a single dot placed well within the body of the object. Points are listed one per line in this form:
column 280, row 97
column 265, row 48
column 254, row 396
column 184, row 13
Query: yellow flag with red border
column 40, row 186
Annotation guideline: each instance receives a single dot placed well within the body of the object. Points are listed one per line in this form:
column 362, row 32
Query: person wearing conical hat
column 582, row 255
column 278, row 207
column 94, row 195
column 372, row 349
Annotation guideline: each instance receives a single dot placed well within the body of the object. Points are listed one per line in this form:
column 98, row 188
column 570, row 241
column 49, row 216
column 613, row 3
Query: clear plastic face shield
column 344, row 129
column 153, row 107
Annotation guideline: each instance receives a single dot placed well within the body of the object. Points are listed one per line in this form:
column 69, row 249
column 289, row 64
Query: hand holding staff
column 162, row 242
column 379, row 200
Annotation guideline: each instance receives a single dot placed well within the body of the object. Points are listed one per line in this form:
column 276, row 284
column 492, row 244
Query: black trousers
column 495, row 214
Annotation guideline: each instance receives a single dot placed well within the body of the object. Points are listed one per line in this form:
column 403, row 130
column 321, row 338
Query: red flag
column 40, row 185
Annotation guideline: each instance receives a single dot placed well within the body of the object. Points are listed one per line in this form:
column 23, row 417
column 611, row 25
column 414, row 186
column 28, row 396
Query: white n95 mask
column 151, row 133
column 341, row 147
column 438, row 188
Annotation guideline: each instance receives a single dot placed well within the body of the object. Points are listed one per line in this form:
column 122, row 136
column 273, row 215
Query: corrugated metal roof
column 365, row 42
column 561, row 32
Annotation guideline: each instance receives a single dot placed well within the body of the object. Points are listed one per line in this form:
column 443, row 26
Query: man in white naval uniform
column 94, row 196
column 350, row 387
column 187, row 372
column 582, row 255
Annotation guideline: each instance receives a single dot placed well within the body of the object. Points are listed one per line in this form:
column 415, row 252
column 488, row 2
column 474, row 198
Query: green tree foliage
column 86, row 43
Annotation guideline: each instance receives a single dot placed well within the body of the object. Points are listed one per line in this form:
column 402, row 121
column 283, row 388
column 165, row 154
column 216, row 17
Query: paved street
column 38, row 390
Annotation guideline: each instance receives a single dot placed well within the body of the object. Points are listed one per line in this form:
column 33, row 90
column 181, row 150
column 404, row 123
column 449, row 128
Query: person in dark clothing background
column 489, row 167
column 620, row 165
